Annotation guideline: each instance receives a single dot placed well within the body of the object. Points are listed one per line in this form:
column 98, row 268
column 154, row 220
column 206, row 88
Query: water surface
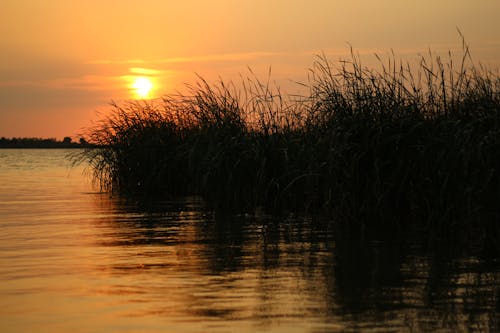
column 73, row 259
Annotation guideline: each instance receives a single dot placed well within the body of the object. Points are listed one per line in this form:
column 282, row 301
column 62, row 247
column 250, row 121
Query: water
column 76, row 260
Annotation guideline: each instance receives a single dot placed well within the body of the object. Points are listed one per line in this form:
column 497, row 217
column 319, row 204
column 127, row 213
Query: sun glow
column 142, row 87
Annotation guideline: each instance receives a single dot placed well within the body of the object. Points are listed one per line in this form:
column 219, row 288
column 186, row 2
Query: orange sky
column 61, row 60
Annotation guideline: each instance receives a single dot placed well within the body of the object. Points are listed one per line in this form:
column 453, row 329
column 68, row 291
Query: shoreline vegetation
column 45, row 143
column 394, row 146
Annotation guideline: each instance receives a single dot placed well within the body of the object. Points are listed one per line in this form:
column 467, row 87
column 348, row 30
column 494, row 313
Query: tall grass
column 394, row 144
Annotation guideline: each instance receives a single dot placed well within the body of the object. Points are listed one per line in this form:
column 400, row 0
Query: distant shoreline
column 42, row 147
column 41, row 143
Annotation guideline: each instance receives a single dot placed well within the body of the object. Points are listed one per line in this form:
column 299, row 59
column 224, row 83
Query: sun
column 142, row 86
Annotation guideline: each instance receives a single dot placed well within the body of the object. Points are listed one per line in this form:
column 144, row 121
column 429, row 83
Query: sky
column 63, row 61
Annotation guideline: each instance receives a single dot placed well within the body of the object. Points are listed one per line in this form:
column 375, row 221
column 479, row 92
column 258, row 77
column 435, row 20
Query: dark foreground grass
column 396, row 145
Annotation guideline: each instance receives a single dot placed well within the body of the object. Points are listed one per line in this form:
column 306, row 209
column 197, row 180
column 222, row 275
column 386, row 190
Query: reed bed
column 393, row 144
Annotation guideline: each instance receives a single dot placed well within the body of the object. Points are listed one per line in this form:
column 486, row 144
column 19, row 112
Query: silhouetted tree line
column 67, row 142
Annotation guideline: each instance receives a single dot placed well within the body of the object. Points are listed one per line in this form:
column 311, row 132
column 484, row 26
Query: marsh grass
column 396, row 144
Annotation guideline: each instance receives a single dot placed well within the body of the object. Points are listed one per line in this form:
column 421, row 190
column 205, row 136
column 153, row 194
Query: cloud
column 85, row 82
column 115, row 62
column 145, row 71
column 201, row 58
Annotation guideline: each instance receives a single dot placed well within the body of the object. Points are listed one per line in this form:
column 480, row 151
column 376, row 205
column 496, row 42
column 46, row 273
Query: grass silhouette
column 396, row 144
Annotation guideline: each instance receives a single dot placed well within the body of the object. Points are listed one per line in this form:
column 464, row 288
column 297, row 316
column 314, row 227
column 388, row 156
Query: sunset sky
column 63, row 60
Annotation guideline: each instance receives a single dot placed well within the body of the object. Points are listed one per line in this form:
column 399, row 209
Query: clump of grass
column 394, row 142
column 397, row 143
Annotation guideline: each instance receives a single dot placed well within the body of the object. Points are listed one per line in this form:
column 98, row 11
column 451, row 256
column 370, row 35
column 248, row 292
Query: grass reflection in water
column 274, row 271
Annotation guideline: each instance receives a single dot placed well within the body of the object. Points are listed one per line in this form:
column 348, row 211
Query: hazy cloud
column 200, row 58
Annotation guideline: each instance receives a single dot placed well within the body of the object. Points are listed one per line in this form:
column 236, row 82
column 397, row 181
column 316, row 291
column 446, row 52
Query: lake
column 73, row 259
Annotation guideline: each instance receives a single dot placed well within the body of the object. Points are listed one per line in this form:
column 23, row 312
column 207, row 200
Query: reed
column 394, row 144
